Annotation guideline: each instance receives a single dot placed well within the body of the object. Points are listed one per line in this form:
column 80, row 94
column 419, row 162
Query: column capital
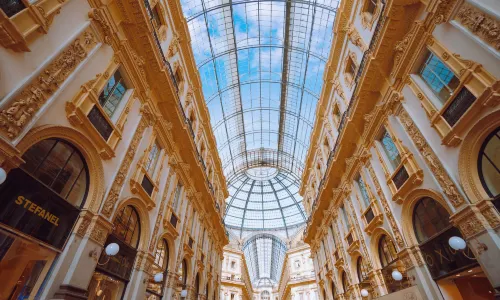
column 476, row 218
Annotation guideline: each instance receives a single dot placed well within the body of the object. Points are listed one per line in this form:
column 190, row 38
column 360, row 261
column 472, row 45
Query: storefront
column 457, row 273
column 112, row 274
column 39, row 205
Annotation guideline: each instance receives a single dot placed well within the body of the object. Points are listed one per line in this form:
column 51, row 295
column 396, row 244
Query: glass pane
column 100, row 122
column 78, row 191
column 429, row 219
column 438, row 77
column 12, row 7
column 68, row 175
column 36, row 154
column 53, row 164
column 127, row 226
column 103, row 287
column 112, row 93
column 153, row 158
column 61, row 167
column 22, row 263
column 364, row 192
column 390, row 150
column 489, row 159
column 458, row 106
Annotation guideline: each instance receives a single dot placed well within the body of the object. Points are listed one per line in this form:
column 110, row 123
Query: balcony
column 352, row 241
column 406, row 177
column 171, row 223
column 372, row 217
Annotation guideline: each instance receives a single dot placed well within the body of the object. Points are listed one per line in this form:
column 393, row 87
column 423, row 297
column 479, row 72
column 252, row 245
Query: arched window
column 113, row 274
column 332, row 286
column 362, row 271
column 429, row 219
column 345, row 282
column 184, row 272
column 127, row 227
column 59, row 166
column 197, row 286
column 386, row 251
column 489, row 163
column 265, row 295
column 160, row 265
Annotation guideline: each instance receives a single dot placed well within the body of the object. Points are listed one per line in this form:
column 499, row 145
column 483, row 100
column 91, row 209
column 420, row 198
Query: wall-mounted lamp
column 364, row 293
column 396, row 275
column 111, row 250
column 184, row 293
column 158, row 277
column 3, row 175
column 458, row 243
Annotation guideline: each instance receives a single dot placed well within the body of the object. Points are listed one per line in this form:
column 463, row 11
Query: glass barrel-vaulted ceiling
column 261, row 64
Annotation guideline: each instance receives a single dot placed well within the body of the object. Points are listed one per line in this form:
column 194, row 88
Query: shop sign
column 441, row 259
column 32, row 208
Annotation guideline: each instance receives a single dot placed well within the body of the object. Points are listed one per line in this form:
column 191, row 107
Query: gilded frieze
column 119, row 180
column 392, row 221
column 448, row 186
column 486, row 27
column 21, row 109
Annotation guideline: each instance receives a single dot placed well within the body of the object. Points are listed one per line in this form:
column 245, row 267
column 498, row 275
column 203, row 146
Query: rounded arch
column 468, row 157
column 197, row 283
column 344, row 280
column 353, row 260
column 94, row 162
column 171, row 250
column 142, row 211
column 333, row 290
column 409, row 206
column 378, row 233
column 185, row 268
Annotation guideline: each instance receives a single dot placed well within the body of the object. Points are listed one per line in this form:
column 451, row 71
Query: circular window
column 262, row 173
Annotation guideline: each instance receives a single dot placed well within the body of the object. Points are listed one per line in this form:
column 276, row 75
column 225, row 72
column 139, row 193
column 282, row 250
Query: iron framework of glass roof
column 265, row 255
column 261, row 64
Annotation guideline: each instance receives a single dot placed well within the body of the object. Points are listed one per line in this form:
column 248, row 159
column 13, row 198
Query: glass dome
column 261, row 65
column 264, row 198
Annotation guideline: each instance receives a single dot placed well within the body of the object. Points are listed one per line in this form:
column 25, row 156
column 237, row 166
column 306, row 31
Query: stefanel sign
column 32, row 208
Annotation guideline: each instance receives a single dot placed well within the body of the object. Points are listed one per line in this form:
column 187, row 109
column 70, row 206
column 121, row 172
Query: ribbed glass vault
column 264, row 197
column 265, row 255
column 261, row 64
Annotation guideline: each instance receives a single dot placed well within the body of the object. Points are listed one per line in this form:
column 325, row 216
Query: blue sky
column 239, row 51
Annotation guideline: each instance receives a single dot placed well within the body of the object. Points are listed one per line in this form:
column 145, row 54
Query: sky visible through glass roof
column 261, row 64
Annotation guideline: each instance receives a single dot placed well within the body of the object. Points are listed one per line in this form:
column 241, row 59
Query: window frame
column 133, row 210
column 74, row 150
column 495, row 132
column 388, row 162
column 439, row 101
column 119, row 105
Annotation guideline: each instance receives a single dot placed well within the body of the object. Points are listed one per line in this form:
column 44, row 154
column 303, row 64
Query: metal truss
column 261, row 64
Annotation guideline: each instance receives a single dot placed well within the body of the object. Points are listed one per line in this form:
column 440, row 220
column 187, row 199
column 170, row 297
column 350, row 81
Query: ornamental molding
column 99, row 17
column 354, row 37
column 19, row 111
column 387, row 210
column 474, row 219
column 447, row 185
column 119, row 179
column 484, row 26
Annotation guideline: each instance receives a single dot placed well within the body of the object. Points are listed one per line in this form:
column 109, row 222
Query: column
column 416, row 269
column 75, row 266
column 478, row 224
